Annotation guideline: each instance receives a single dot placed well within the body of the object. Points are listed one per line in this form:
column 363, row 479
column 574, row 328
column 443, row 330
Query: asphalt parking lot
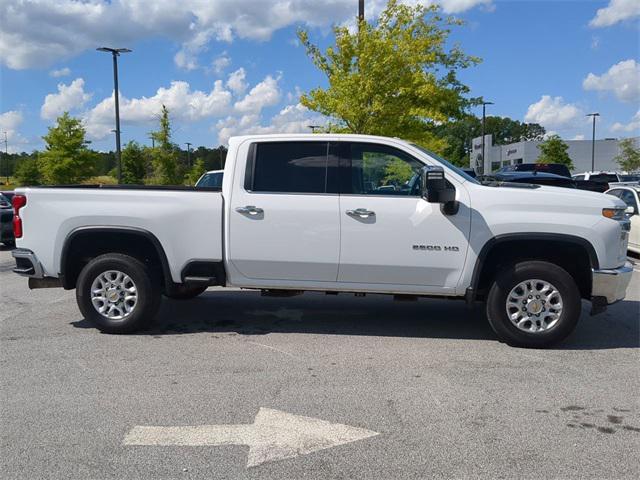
column 376, row 388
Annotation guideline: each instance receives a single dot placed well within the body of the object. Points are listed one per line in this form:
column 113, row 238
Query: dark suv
column 555, row 168
column 6, row 222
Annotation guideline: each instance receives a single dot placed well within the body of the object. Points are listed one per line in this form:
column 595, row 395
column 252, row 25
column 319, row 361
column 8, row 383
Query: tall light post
column 115, row 53
column 188, row 144
column 484, row 119
column 360, row 10
column 593, row 140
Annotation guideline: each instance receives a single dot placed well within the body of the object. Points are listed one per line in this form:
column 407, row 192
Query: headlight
column 614, row 213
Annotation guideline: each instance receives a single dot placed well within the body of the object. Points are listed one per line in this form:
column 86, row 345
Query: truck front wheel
column 117, row 294
column 533, row 304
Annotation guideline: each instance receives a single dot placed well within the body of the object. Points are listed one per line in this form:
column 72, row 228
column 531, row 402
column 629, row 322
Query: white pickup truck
column 332, row 213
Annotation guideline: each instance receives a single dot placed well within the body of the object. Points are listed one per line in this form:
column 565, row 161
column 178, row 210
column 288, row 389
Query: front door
column 284, row 216
column 389, row 234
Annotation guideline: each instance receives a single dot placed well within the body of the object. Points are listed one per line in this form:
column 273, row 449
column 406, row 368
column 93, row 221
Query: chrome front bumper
column 27, row 263
column 611, row 284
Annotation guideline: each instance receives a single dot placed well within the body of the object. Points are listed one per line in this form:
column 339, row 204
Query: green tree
column 134, row 164
column 629, row 156
column 27, row 172
column 195, row 172
column 66, row 159
column 395, row 77
column 554, row 150
column 164, row 156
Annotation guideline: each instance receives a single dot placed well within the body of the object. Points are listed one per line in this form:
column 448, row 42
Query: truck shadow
column 247, row 313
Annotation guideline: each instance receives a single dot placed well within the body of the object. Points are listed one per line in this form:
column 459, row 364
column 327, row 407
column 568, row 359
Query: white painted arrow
column 274, row 435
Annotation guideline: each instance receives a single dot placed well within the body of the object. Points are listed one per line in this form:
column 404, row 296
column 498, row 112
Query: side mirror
column 630, row 210
column 434, row 186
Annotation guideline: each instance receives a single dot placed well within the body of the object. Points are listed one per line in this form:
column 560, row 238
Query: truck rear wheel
column 533, row 304
column 117, row 294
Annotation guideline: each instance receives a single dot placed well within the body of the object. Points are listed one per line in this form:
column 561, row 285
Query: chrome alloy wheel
column 534, row 306
column 114, row 295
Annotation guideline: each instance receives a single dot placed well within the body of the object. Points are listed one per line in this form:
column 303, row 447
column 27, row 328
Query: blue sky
column 228, row 67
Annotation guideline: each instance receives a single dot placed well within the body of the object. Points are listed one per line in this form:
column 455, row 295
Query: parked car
column 301, row 212
column 535, row 178
column 555, row 168
column 604, row 176
column 8, row 194
column 631, row 196
column 601, row 181
column 212, row 178
column 470, row 171
column 6, row 221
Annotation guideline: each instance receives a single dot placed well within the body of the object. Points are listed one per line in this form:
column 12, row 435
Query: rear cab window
column 291, row 167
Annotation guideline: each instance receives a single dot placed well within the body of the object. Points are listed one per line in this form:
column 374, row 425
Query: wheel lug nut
column 537, row 296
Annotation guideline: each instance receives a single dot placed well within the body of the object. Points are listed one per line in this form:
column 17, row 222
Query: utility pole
column 115, row 53
column 188, row 144
column 593, row 141
column 484, row 104
column 360, row 10
column 6, row 156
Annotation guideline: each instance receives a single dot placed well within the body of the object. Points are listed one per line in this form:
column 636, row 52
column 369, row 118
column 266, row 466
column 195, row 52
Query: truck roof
column 313, row 136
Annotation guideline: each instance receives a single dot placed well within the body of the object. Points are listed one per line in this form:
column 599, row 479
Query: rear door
column 284, row 214
column 390, row 235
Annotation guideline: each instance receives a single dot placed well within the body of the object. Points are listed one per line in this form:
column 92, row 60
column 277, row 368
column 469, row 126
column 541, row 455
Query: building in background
column 528, row 152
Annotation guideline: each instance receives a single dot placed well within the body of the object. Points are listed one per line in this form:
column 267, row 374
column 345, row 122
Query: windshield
column 458, row 170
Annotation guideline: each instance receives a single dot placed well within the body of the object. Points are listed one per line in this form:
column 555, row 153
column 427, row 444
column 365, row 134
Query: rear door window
column 289, row 167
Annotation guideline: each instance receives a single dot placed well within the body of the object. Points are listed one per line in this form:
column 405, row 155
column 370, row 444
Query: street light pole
column 188, row 144
column 593, row 140
column 360, row 10
column 484, row 105
column 115, row 53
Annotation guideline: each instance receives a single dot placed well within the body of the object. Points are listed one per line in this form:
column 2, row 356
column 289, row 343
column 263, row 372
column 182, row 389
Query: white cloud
column 264, row 94
column 623, row 79
column 35, row 33
column 553, row 113
column 69, row 97
column 633, row 126
column 616, row 11
column 578, row 137
column 184, row 105
column 291, row 119
column 237, row 81
column 63, row 72
column 10, row 121
column 221, row 63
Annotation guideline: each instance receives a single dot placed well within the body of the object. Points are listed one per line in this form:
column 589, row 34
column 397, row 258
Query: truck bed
column 187, row 221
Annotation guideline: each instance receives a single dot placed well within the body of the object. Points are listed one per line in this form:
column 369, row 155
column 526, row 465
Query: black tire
column 184, row 292
column 147, row 288
column 511, row 277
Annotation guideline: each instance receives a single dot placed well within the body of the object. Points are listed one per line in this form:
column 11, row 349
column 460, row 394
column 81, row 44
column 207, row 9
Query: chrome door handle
column 250, row 209
column 361, row 213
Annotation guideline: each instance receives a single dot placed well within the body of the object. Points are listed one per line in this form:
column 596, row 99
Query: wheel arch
column 137, row 242
column 562, row 249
